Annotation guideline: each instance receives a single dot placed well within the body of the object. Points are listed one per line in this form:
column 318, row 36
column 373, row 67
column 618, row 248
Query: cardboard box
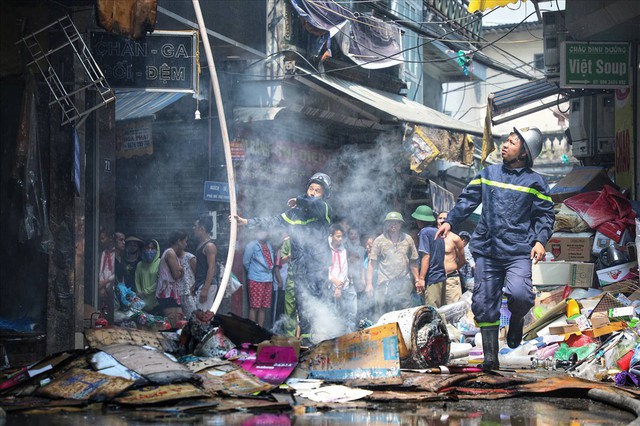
column 599, row 319
column 606, row 329
column 601, row 241
column 564, row 329
column 574, row 274
column 626, row 271
column 571, row 246
column 624, row 313
column 579, row 180
column 582, row 322
column 372, row 354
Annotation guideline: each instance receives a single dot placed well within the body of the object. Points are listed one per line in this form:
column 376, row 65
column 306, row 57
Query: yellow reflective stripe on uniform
column 297, row 222
column 305, row 222
column 512, row 187
column 488, row 324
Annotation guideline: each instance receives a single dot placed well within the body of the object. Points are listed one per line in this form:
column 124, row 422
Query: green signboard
column 597, row 65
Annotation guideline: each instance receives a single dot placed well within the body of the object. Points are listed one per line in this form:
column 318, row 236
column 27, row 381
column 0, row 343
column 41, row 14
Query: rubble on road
column 357, row 370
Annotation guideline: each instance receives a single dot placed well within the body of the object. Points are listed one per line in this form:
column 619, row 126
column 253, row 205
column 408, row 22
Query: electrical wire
column 384, row 57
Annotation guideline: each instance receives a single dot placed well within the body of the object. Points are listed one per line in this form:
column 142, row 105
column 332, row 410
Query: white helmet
column 532, row 138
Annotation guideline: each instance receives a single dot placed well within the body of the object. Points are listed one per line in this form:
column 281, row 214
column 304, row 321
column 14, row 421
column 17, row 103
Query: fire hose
column 227, row 155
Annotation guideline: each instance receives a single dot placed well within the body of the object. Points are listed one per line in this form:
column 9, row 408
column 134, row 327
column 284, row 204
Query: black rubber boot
column 514, row 335
column 490, row 348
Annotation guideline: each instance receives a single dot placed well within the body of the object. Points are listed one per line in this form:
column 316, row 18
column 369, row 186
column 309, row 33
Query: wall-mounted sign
column 134, row 138
column 216, row 191
column 163, row 61
column 594, row 65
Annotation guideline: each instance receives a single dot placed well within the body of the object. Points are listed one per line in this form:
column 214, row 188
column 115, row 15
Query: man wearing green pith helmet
column 394, row 252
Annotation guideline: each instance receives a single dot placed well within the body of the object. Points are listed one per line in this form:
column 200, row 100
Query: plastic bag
column 127, row 298
column 233, row 286
column 564, row 352
column 234, row 283
column 598, row 207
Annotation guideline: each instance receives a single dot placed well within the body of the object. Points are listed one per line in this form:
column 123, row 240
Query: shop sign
column 216, row 191
column 164, row 61
column 134, row 138
column 597, row 65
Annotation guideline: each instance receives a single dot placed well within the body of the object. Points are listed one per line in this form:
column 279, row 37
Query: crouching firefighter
column 307, row 222
column 516, row 222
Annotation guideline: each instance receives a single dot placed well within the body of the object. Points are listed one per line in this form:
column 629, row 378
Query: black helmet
column 321, row 179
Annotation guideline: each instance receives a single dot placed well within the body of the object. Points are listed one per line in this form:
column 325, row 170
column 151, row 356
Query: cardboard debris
column 617, row 273
column 579, row 180
column 243, row 404
column 97, row 338
column 192, row 406
column 47, row 366
column 606, row 329
column 165, row 393
column 274, row 364
column 371, row 354
column 405, row 396
column 434, row 382
column 11, row 404
column 204, row 363
column 564, row 329
column 599, row 319
column 107, row 364
column 531, row 331
column 232, row 380
column 85, row 385
column 151, row 363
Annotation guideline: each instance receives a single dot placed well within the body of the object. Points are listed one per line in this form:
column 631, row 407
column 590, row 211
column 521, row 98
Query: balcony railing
column 468, row 25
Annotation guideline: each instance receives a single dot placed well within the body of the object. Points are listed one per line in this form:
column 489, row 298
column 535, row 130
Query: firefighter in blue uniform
column 516, row 222
column 307, row 222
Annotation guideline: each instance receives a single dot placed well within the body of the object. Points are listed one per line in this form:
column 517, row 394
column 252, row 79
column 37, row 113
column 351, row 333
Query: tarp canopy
column 397, row 107
column 138, row 104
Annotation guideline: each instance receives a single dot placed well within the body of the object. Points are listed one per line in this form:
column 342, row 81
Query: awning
column 396, row 107
column 138, row 104
column 504, row 101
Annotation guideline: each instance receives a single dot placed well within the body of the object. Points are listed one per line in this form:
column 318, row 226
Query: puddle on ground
column 512, row 411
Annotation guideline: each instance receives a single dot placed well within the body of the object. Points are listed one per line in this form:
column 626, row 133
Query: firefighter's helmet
column 321, row 179
column 532, row 139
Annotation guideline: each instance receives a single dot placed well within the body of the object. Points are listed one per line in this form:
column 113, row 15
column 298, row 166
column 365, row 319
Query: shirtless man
column 453, row 260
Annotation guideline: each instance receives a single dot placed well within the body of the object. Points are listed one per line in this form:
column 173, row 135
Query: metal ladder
column 94, row 78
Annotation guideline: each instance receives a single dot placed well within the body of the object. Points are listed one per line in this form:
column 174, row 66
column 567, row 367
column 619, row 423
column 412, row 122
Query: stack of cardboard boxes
column 574, row 254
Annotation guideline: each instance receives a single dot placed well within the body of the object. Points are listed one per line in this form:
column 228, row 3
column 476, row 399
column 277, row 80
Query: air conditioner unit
column 554, row 33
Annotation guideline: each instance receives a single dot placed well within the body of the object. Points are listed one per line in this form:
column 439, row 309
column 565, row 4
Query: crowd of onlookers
column 150, row 286
column 368, row 276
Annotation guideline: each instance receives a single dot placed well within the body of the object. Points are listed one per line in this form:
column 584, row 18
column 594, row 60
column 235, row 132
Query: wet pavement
column 511, row 411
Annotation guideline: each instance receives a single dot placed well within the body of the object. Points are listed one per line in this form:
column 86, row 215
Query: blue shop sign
column 216, row 191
